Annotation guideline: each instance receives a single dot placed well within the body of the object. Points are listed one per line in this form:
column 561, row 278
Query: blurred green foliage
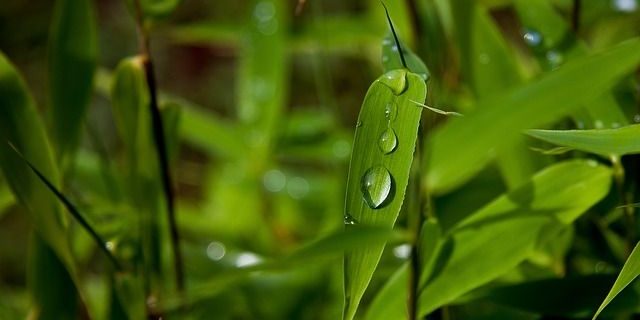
column 259, row 100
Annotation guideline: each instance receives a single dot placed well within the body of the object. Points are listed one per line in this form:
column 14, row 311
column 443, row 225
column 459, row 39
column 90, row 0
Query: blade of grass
column 629, row 272
column 606, row 142
column 386, row 169
column 51, row 263
column 73, row 52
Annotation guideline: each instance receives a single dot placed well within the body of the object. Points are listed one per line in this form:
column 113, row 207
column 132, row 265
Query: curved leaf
column 630, row 271
column 619, row 141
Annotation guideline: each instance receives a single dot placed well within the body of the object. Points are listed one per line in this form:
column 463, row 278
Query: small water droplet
column 484, row 58
column 216, row 251
column 110, row 245
column 636, row 118
column 359, row 124
column 391, row 111
column 396, row 80
column 598, row 124
column 388, row 141
column 555, row 58
column 580, row 125
column 625, row 5
column 532, row 38
column 592, row 163
column 376, row 187
column 615, row 125
column 349, row 220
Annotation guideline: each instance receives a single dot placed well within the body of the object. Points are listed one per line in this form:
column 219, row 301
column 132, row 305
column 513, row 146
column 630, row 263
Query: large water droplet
column 391, row 111
column 396, row 80
column 388, row 141
column 349, row 220
column 532, row 38
column 376, row 187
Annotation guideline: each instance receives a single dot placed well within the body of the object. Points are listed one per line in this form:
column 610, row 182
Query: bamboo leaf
column 383, row 150
column 629, row 272
column 73, row 52
column 20, row 124
column 463, row 146
column 502, row 234
column 619, row 141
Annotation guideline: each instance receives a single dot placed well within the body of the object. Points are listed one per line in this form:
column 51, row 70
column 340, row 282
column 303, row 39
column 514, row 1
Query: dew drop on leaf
column 376, row 187
column 388, row 141
column 396, row 80
column 391, row 111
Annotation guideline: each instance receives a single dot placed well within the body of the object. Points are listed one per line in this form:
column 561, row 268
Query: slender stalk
column 160, row 143
column 575, row 16
column 415, row 220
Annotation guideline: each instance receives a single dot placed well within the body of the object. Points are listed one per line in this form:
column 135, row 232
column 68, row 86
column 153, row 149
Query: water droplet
column 376, row 187
column 396, row 80
column 598, row 124
column 349, row 220
column 216, row 251
column 388, row 141
column 402, row 251
column 580, row 125
column 297, row 187
column 555, row 58
column 484, row 58
column 636, row 118
column 110, row 245
column 391, row 111
column 615, row 125
column 274, row 180
column 625, row 5
column 532, row 38
column 592, row 163
column 359, row 124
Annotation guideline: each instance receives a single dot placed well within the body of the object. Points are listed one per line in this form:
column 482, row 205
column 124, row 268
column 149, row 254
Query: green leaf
column 383, row 150
column 607, row 142
column 73, row 52
column 158, row 8
column 629, row 272
column 504, row 233
column 21, row 125
column 463, row 146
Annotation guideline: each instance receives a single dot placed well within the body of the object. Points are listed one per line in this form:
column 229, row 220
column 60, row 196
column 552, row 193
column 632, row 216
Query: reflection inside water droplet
column 376, row 187
column 391, row 111
column 349, row 220
column 532, row 38
column 388, row 141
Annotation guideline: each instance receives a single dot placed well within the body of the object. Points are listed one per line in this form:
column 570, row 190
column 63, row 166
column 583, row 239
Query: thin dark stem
column 395, row 36
column 161, row 146
column 575, row 16
column 619, row 177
